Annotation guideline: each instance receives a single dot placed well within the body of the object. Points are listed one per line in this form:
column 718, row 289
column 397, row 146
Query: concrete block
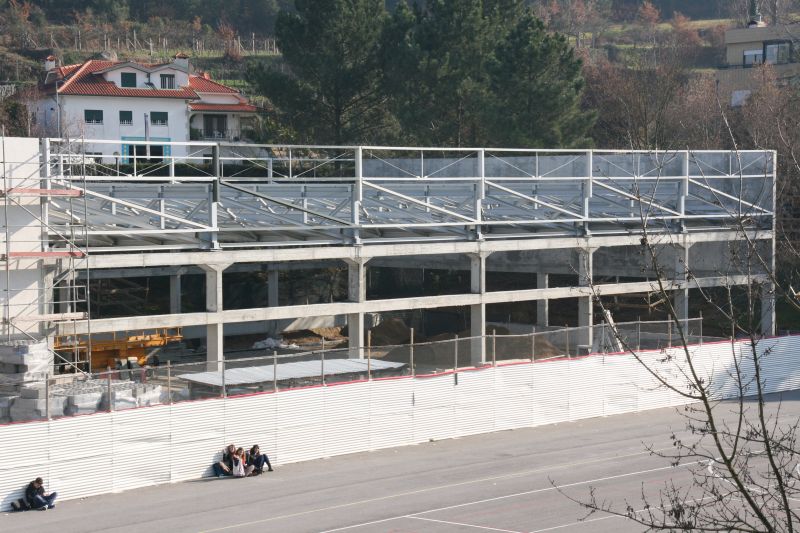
column 33, row 393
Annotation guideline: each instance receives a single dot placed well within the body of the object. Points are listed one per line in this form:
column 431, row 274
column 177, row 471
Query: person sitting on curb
column 36, row 498
column 225, row 466
column 258, row 460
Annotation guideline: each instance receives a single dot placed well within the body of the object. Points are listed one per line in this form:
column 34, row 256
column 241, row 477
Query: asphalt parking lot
column 503, row 481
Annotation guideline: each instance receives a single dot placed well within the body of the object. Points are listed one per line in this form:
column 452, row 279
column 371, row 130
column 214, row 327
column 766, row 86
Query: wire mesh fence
column 132, row 387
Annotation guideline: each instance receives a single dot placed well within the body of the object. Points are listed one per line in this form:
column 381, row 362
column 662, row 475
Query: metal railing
column 248, row 195
column 136, row 386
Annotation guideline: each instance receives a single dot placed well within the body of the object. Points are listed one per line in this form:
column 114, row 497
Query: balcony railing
column 222, row 135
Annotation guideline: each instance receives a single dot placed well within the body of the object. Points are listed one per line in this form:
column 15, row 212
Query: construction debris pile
column 77, row 398
column 24, row 368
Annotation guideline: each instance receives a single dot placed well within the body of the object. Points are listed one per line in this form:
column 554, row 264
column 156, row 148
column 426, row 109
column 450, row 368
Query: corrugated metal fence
column 110, row 452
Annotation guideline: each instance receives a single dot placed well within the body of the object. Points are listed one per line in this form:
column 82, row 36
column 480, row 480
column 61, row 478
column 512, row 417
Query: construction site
column 133, row 280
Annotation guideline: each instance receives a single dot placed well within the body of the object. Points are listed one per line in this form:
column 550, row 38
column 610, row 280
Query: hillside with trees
column 549, row 73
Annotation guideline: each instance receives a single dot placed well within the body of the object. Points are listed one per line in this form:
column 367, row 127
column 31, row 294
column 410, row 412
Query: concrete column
column 356, row 292
column 585, row 314
column 542, row 306
column 215, row 346
column 272, row 288
column 477, row 312
column 214, row 328
column 175, row 293
column 768, row 309
column 681, row 296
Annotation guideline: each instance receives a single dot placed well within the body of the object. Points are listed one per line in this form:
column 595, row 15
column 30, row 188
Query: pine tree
column 536, row 87
column 331, row 94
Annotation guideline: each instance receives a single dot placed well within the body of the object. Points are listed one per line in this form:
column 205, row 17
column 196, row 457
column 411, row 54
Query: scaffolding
column 30, row 190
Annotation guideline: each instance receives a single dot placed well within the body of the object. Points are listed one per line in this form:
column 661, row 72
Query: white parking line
column 463, row 524
column 575, row 524
column 514, row 495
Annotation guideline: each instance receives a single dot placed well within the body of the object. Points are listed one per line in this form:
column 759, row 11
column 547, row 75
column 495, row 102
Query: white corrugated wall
column 106, row 452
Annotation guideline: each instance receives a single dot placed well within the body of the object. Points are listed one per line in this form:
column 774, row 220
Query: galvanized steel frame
column 261, row 196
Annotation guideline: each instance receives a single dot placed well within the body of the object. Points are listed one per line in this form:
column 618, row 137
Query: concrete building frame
column 223, row 206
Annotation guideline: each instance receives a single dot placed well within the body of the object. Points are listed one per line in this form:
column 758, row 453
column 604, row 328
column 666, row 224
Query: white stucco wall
column 115, row 76
column 214, row 98
column 26, row 275
column 176, row 130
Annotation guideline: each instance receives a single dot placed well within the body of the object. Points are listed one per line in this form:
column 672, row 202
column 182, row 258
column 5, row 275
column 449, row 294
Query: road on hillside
column 496, row 482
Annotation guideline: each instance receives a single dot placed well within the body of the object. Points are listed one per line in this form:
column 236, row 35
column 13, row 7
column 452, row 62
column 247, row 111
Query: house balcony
column 227, row 135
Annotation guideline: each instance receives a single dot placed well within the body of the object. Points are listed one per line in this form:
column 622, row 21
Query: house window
column 158, row 118
column 778, row 52
column 128, row 79
column 168, row 81
column 126, row 118
column 215, row 126
column 753, row 57
column 93, row 116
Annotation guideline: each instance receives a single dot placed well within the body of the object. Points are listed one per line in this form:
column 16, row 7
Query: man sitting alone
column 36, row 497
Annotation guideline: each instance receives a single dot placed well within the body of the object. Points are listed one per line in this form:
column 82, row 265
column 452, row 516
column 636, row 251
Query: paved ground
column 496, row 482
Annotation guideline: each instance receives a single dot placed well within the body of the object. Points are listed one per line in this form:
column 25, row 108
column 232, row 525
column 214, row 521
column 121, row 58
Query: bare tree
column 738, row 459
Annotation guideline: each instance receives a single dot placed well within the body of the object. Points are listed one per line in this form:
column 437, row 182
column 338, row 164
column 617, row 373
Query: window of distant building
column 128, row 79
column 158, row 118
column 168, row 81
column 777, row 52
column 93, row 116
column 753, row 57
column 126, row 117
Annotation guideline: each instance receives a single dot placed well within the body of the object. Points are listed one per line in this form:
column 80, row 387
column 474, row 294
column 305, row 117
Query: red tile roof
column 205, row 85
column 85, row 80
column 229, row 108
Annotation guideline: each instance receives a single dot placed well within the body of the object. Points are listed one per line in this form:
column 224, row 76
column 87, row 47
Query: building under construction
column 231, row 240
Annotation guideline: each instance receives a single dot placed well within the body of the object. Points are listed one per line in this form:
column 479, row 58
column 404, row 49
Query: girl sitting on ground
column 240, row 466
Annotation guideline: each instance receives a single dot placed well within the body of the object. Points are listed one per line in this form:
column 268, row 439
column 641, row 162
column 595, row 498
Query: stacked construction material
column 5, row 408
column 24, row 360
column 32, row 404
column 83, row 397
column 80, row 397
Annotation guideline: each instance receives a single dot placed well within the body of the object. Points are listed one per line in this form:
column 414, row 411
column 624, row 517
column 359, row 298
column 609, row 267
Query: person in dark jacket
column 225, row 466
column 36, row 496
column 258, row 460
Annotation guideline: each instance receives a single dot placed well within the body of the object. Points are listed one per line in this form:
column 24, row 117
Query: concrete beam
column 377, row 306
column 134, row 272
column 320, row 253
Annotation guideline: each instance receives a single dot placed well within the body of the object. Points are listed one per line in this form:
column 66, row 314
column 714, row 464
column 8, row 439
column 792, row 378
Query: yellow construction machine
column 105, row 350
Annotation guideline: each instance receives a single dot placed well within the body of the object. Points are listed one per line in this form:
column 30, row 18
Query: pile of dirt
column 312, row 336
column 329, row 334
column 390, row 332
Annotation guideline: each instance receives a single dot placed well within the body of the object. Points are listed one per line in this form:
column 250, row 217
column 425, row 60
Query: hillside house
column 132, row 101
column 755, row 45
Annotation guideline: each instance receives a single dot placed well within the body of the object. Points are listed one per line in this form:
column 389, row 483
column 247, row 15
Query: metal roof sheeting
column 296, row 370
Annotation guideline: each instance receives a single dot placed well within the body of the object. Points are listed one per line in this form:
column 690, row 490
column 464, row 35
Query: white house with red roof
column 133, row 101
